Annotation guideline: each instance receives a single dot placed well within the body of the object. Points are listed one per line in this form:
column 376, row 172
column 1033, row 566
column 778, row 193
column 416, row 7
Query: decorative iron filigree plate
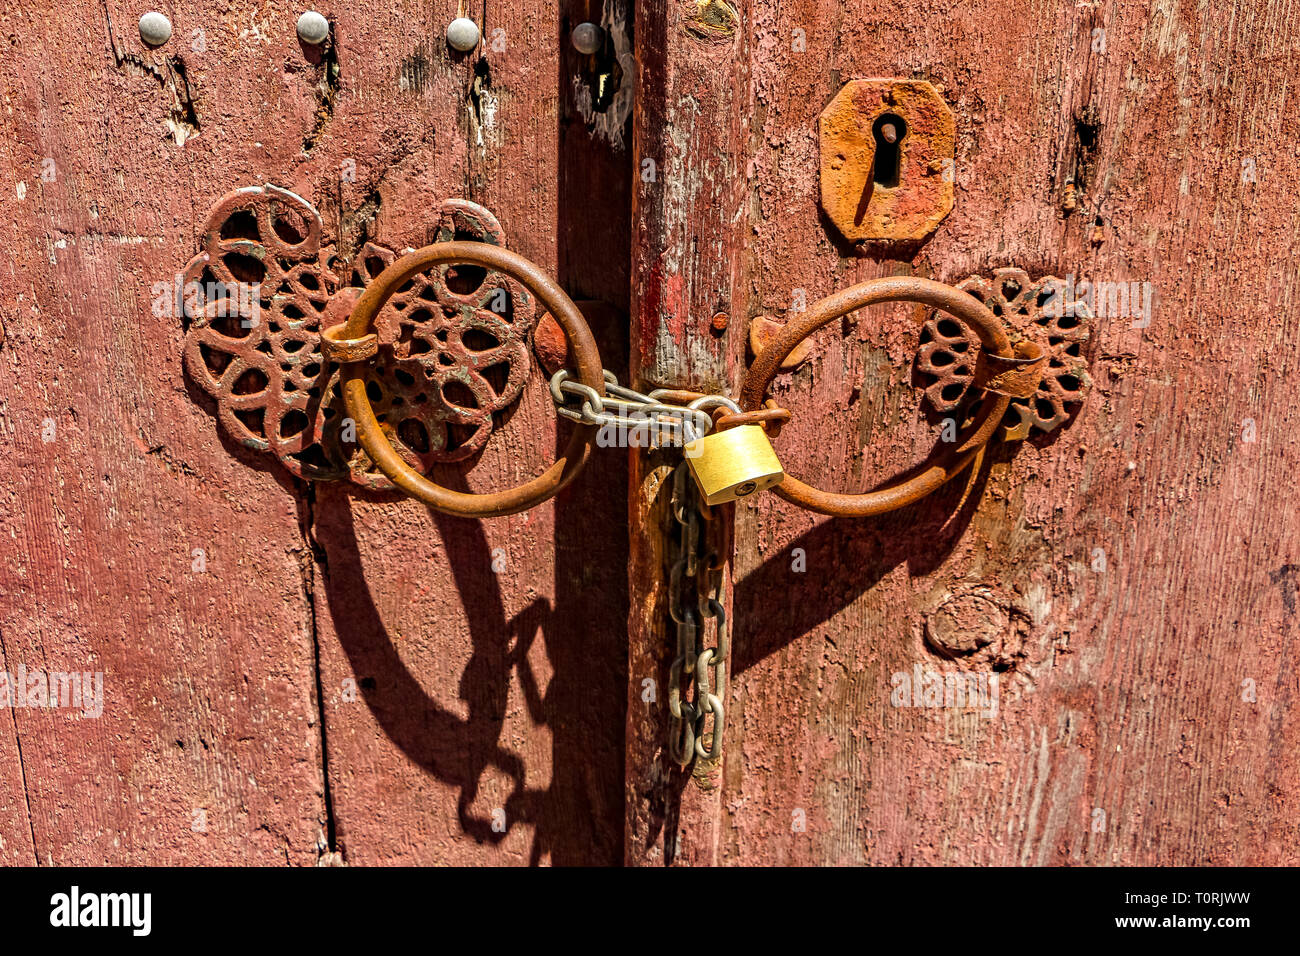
column 454, row 342
column 1037, row 309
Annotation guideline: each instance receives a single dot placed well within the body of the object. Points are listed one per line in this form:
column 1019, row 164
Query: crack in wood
column 172, row 77
column 22, row 766
column 327, row 88
column 313, row 556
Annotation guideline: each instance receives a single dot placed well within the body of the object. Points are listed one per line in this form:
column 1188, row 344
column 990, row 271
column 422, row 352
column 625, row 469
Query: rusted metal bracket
column 452, row 345
column 887, row 160
column 763, row 331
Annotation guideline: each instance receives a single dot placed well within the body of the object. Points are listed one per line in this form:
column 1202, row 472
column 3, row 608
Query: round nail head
column 313, row 28
column 462, row 34
column 155, row 29
column 587, row 38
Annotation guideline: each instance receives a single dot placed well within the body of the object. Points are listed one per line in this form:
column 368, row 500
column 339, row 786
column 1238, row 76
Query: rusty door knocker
column 1005, row 370
column 355, row 343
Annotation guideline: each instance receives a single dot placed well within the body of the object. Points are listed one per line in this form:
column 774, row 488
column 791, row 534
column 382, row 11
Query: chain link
column 694, row 589
column 655, row 420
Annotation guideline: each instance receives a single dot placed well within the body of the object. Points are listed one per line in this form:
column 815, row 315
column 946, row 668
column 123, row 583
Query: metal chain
column 682, row 609
column 693, row 596
column 666, row 416
column 659, row 422
column 697, row 679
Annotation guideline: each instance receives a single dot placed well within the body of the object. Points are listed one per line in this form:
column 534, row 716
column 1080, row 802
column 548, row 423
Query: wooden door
column 308, row 673
column 1131, row 578
column 294, row 672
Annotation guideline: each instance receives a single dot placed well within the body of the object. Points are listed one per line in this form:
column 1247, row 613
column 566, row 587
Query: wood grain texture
column 1126, row 731
column 688, row 264
column 208, row 749
column 691, row 136
column 1147, row 710
column 473, row 672
column 508, row 696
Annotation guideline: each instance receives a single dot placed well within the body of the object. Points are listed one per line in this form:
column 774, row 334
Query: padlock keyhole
column 889, row 131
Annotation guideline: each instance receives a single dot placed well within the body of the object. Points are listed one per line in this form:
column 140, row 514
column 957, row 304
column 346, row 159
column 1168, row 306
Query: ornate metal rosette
column 1039, row 309
column 454, row 341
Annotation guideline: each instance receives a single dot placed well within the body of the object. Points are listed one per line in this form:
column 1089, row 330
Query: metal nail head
column 155, row 29
column 313, row 28
column 462, row 34
column 587, row 38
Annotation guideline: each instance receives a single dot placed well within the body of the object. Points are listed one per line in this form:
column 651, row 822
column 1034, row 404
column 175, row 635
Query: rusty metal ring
column 762, row 416
column 961, row 306
column 352, row 375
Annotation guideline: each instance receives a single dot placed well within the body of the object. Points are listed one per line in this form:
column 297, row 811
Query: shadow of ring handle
column 354, row 343
column 954, row 302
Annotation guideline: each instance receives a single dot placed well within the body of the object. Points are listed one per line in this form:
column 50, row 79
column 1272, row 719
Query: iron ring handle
column 355, row 342
column 961, row 306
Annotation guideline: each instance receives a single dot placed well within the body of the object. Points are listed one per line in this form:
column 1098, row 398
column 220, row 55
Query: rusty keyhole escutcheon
column 887, row 160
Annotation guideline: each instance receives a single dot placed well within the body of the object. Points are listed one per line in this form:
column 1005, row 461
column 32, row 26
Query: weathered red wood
column 1123, row 735
column 688, row 267
column 208, row 748
column 486, row 723
column 475, row 689
column 1146, row 712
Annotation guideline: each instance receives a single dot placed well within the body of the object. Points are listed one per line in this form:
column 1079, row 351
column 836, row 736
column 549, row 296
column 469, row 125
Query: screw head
column 462, row 34
column 313, row 28
column 155, row 29
column 587, row 38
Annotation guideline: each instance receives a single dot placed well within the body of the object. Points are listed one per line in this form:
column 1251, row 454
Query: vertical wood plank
column 486, row 656
column 691, row 131
column 139, row 544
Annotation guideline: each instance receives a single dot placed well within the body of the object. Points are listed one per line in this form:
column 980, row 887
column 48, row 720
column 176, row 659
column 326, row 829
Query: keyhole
column 889, row 131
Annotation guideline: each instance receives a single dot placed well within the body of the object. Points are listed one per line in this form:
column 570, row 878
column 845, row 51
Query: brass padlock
column 733, row 464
